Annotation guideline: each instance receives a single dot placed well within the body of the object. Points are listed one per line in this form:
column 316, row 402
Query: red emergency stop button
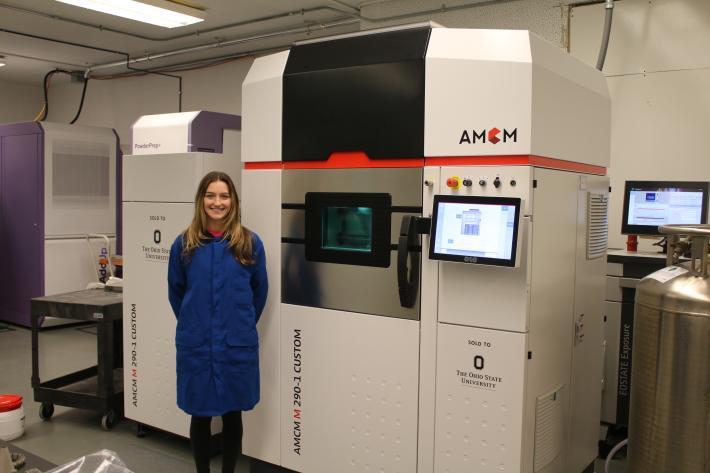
column 453, row 182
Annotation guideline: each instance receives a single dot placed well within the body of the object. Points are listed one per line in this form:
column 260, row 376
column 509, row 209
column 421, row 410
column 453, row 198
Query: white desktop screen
column 664, row 206
column 479, row 230
column 649, row 204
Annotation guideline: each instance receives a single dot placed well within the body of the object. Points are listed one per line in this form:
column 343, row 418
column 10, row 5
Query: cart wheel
column 46, row 411
column 108, row 420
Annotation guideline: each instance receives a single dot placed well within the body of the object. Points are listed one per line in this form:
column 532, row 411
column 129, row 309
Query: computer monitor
column 479, row 230
column 649, row 204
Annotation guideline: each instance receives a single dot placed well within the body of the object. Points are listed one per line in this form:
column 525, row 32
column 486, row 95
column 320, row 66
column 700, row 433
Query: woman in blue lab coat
column 217, row 288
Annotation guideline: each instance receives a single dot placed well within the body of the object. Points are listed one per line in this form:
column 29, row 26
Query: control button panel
column 500, row 181
column 456, row 182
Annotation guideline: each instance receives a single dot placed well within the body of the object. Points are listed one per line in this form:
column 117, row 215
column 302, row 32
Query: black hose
column 45, row 82
column 47, row 76
column 81, row 104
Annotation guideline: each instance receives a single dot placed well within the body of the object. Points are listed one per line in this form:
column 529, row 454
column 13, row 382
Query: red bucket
column 12, row 417
column 10, row 402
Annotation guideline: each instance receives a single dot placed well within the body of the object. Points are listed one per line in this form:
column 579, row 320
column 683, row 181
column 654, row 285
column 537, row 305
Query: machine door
column 346, row 242
column 348, row 228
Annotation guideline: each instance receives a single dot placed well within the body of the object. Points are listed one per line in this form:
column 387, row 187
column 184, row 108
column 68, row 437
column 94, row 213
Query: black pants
column 200, row 434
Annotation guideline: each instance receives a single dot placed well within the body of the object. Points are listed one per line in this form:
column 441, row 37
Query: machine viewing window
column 348, row 228
column 649, row 204
column 481, row 230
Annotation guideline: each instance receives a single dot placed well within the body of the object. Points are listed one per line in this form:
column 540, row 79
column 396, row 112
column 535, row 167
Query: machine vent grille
column 597, row 225
column 80, row 170
column 549, row 428
column 80, row 176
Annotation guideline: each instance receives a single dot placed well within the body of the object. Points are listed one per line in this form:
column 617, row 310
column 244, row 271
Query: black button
column 496, row 182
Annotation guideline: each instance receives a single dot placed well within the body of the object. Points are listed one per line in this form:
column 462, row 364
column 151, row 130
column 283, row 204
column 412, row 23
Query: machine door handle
column 408, row 276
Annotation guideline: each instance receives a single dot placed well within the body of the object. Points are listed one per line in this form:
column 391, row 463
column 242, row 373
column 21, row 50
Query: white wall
column 658, row 71
column 18, row 102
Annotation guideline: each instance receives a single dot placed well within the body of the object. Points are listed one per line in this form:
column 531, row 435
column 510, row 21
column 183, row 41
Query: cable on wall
column 81, row 103
column 43, row 113
column 45, row 87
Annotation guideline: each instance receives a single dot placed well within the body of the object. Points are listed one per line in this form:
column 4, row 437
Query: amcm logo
column 491, row 136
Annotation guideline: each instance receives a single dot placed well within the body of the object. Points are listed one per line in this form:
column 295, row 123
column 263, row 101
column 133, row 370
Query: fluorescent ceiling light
column 166, row 17
column 2, row 64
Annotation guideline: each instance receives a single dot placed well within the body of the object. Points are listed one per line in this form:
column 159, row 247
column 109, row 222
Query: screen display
column 650, row 204
column 481, row 230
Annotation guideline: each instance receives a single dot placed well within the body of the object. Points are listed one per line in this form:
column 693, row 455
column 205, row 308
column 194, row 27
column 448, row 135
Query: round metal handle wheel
column 46, row 410
column 108, row 420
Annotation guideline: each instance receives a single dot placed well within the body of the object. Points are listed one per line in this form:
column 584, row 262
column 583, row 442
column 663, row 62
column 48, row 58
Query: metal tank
column 669, row 426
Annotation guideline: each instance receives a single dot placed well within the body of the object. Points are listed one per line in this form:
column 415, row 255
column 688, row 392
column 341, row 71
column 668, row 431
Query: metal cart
column 100, row 387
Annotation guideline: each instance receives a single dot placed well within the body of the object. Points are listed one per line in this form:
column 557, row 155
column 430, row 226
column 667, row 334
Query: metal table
column 100, row 387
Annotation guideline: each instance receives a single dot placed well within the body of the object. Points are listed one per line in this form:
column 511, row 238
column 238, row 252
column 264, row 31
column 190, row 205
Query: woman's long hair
column 238, row 236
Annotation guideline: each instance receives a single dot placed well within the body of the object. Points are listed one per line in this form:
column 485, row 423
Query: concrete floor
column 72, row 433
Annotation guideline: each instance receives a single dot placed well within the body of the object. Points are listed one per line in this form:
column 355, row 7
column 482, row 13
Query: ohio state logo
column 492, row 136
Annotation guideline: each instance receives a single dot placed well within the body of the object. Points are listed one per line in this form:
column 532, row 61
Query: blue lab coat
column 217, row 302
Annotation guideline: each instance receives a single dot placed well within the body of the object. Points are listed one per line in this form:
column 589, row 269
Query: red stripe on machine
column 351, row 160
column 263, row 165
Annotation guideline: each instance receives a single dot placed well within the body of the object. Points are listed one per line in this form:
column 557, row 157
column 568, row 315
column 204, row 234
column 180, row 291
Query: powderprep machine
column 433, row 206
column 171, row 154
column 58, row 183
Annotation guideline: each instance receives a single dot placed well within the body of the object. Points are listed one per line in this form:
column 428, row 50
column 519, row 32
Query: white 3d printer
column 475, row 347
column 171, row 154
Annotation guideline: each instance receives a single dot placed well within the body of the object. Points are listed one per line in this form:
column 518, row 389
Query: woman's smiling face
column 217, row 203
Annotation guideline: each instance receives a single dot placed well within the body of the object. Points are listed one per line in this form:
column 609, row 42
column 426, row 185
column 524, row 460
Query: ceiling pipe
column 277, row 16
column 54, row 62
column 307, row 30
column 354, row 12
column 61, row 41
column 220, row 44
column 340, row 7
